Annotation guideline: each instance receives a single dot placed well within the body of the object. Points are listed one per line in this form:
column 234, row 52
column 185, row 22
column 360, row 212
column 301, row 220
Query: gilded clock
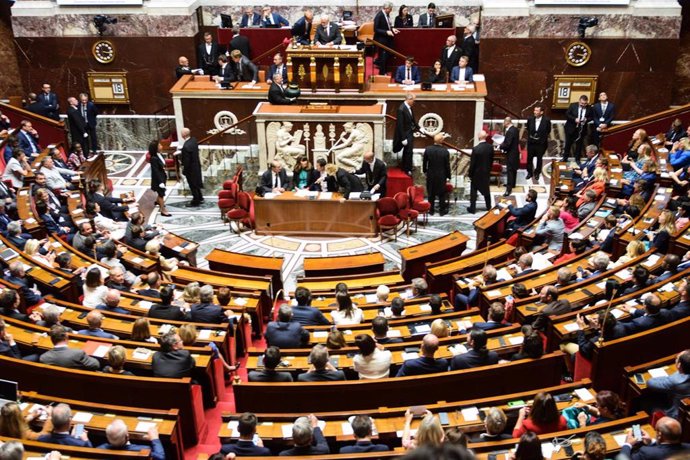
column 578, row 54
column 103, row 51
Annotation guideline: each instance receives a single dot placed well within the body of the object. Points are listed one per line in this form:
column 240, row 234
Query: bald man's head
column 482, row 135
column 369, row 157
column 429, row 345
column 668, row 430
column 185, row 132
column 438, row 138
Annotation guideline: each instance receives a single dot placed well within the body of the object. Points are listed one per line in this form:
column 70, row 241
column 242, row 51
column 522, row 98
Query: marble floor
column 130, row 172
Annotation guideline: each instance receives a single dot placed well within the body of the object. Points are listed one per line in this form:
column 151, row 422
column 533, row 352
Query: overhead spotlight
column 101, row 21
column 586, row 23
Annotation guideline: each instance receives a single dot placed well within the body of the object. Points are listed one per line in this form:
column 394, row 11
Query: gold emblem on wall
column 301, row 72
column 348, row 72
column 103, row 51
column 324, row 72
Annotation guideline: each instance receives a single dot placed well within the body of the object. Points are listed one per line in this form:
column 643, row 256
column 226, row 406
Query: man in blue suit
column 603, row 112
column 362, row 429
column 250, row 18
column 462, row 72
column 666, row 444
column 682, row 308
column 49, row 100
column 89, row 112
column 61, row 418
column 245, row 447
column 206, row 311
column 18, row 276
column 304, row 313
column 277, row 67
column 524, row 215
column 425, row 364
column 286, row 333
column 408, row 74
column 649, row 318
column 95, row 319
column 118, row 439
column 28, row 138
column 675, row 386
column 270, row 19
column 301, row 30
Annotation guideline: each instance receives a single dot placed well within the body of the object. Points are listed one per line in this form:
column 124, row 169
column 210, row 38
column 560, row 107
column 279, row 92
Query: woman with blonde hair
column 153, row 248
column 633, row 250
column 191, row 293
column 641, row 154
column 667, row 228
column 32, row 248
column 116, row 357
column 600, row 178
column 189, row 335
column 429, row 431
column 440, row 328
column 14, row 425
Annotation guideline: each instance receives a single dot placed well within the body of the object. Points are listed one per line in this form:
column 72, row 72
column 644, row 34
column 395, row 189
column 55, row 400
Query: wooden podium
column 333, row 68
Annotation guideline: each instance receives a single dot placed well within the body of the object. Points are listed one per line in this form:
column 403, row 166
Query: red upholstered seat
column 417, row 201
column 387, row 210
column 227, row 199
column 406, row 213
column 243, row 213
column 228, row 183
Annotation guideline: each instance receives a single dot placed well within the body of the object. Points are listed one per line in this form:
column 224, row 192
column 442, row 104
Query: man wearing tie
column 89, row 112
column 28, row 138
column 405, row 126
column 408, row 74
column 511, row 148
column 270, row 19
column 301, row 29
column 277, row 67
column 578, row 115
column 49, row 101
column 276, row 93
column 603, row 113
column 244, row 69
column 538, row 130
column 450, row 54
column 428, row 19
column 191, row 165
column 327, row 33
column 384, row 33
column 275, row 179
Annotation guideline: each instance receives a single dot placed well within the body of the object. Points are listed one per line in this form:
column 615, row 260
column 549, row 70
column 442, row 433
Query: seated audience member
column 308, row 438
column 94, row 289
column 118, row 277
column 665, row 445
column 496, row 315
column 408, row 73
column 141, row 331
column 382, row 293
column 52, row 225
column 456, row 436
column 643, row 319
column 669, row 267
column 137, row 238
column 169, row 264
column 608, row 330
column 111, row 302
column 172, row 361
column 33, row 249
column 63, row 356
column 189, row 335
column 272, row 360
column 15, row 236
column 51, row 316
column 597, row 184
column 554, row 307
column 153, row 280
column 426, row 363
column 116, row 357
column 440, row 328
column 10, row 302
column 304, row 313
column 609, row 407
column 8, row 347
column 84, row 230
column 362, row 427
column 576, row 247
column 206, row 311
column 675, row 387
column 396, row 309
column 27, row 288
column 487, row 278
column 436, row 304
column 94, row 319
column 248, row 444
column 223, row 296
column 62, row 419
column 420, row 288
column 372, row 361
column 661, row 238
column 541, row 418
column 347, row 314
column 600, row 263
column 494, row 426
column 640, row 280
column 13, row 423
column 551, row 229
column 437, row 74
column 111, row 207
column 682, row 308
column 583, row 172
column 462, row 73
column 336, row 340
column 16, row 169
column 532, row 345
column 105, row 225
column 379, row 326
column 286, row 332
column 118, row 439
column 528, row 448
column 587, row 206
column 607, row 234
column 479, row 355
column 165, row 309
column 321, row 369
column 524, row 264
column 564, row 277
column 137, row 219
column 76, row 157
column 64, row 265
column 55, row 176
column 524, row 215
column 429, row 431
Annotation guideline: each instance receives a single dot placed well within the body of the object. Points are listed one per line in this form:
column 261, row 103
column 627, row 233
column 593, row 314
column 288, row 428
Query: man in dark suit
column 182, row 69
column 172, row 361
column 243, row 69
column 328, row 33
column 241, row 43
column 682, row 308
column 524, row 215
column 577, row 117
column 111, row 207
column 510, row 146
column 584, row 171
column 10, row 302
column 403, row 139
column 362, row 429
column 469, row 48
column 650, row 317
column 95, row 319
column 153, row 280
column 272, row 358
column 554, row 307
column 89, row 112
column 436, row 166
column 276, row 93
column 450, row 54
column 207, row 55
column 250, row 18
column 304, row 313
column 496, row 315
column 347, row 182
column 245, row 446
column 379, row 326
column 63, row 356
column 270, row 19
column 480, row 170
column 277, row 67
column 428, row 19
column 17, row 275
column 462, row 72
column 321, row 369
column 286, row 333
column 538, row 130
column 28, row 138
column 49, row 100
column 111, row 302
column 375, row 173
column 308, row 438
column 477, row 356
column 301, row 29
column 425, row 364
column 602, row 113
column 33, row 106
column 408, row 74
column 275, row 179
column 77, row 125
column 8, row 347
column 118, row 439
column 165, row 310
column 61, row 416
column 206, row 311
column 666, row 444
column 384, row 33
column 191, row 165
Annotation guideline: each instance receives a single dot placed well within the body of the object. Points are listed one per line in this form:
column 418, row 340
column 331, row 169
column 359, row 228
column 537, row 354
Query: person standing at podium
column 276, row 93
column 301, row 29
column 277, row 67
column 405, row 126
column 327, row 33
column 428, row 19
column 384, row 33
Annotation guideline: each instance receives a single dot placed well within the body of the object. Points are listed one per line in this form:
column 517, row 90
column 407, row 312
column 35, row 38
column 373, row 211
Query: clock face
column 577, row 54
column 103, row 51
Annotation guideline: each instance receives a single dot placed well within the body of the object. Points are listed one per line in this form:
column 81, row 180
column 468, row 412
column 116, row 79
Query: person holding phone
column 62, row 419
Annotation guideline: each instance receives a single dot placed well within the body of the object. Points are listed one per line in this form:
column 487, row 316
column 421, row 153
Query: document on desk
column 302, row 193
column 658, row 372
column 270, row 195
column 439, row 87
column 470, row 414
column 325, row 195
column 82, row 417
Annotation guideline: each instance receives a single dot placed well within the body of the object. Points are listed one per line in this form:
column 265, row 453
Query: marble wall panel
column 132, row 133
column 10, row 82
column 81, row 25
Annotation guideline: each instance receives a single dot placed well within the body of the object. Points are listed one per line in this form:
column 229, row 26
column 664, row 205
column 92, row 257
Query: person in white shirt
column 373, row 361
column 347, row 313
column 54, row 175
column 94, row 289
column 16, row 169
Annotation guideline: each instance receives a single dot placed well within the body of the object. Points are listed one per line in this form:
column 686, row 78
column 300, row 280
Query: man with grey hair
column 51, row 316
column 11, row 450
column 276, row 92
column 14, row 234
column 384, row 32
column 564, row 277
column 111, row 302
column 118, row 439
column 286, row 333
column 189, row 156
column 600, row 263
column 172, row 361
column 382, row 293
column 206, row 311
column 308, row 438
column 420, row 287
column 525, row 264
column 405, row 127
column 27, row 288
column 95, row 319
column 62, row 418
column 321, row 369
column 327, row 33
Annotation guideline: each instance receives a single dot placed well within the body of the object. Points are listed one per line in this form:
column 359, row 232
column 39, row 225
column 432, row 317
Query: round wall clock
column 103, row 51
column 578, row 54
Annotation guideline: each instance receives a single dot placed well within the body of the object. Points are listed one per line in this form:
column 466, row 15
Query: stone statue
column 287, row 145
column 350, row 147
column 319, row 138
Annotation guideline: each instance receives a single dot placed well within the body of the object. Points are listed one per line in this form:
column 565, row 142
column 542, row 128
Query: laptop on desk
column 8, row 392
